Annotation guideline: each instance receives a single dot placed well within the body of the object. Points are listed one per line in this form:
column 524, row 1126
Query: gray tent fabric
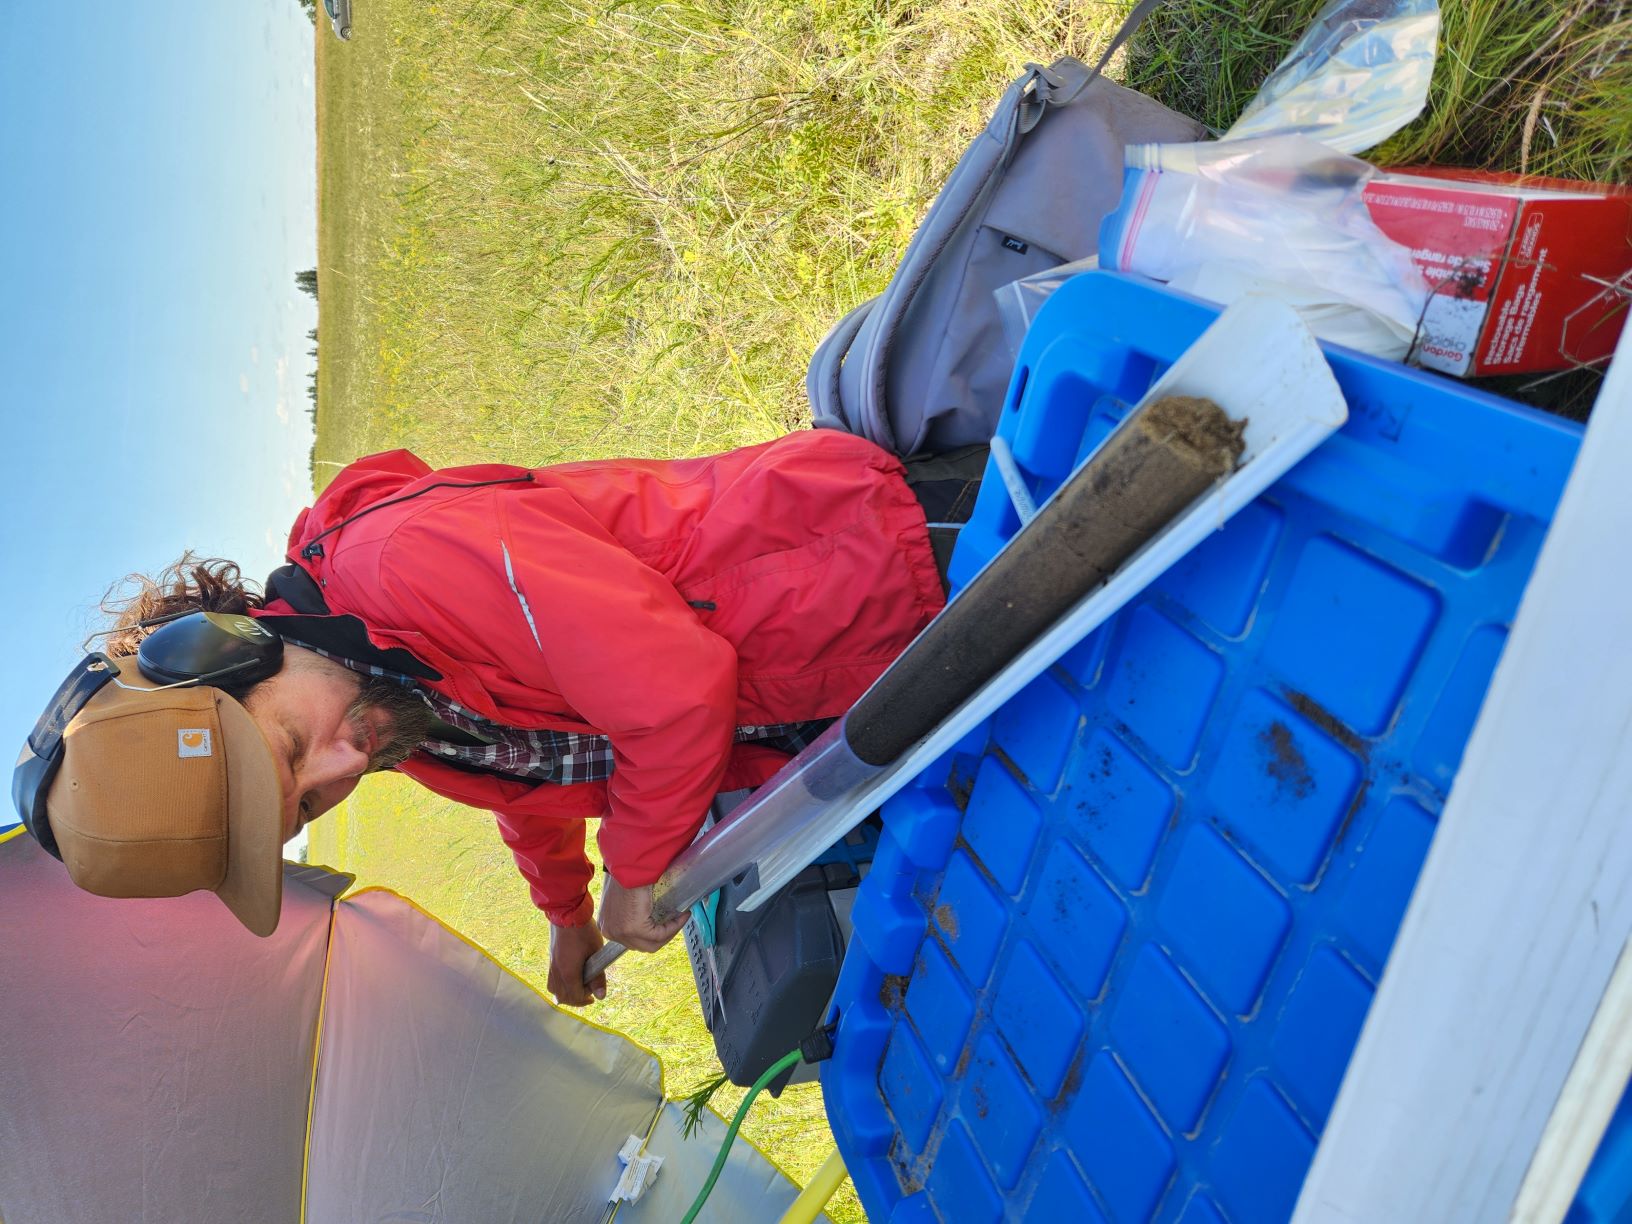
column 447, row 1089
column 156, row 1057
column 746, row 1178
column 157, row 1064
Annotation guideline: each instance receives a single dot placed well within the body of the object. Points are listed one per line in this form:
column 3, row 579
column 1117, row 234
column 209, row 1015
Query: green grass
column 1568, row 63
column 619, row 229
column 562, row 230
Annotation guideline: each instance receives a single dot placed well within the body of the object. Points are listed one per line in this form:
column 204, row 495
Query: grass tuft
column 697, row 1100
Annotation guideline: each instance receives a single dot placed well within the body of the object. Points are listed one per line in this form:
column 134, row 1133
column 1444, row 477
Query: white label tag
column 193, row 742
column 638, row 1172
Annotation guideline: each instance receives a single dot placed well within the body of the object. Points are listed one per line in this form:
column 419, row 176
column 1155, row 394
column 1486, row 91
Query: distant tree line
column 311, row 9
column 311, row 382
column 306, row 282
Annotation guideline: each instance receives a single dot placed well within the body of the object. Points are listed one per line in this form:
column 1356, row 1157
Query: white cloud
column 243, row 383
column 254, row 354
column 280, row 372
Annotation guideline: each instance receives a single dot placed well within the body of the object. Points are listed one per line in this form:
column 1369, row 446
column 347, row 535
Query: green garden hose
column 776, row 1069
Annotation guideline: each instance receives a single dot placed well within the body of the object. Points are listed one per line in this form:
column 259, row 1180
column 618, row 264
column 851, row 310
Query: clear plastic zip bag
column 1358, row 75
column 1275, row 206
column 1282, row 215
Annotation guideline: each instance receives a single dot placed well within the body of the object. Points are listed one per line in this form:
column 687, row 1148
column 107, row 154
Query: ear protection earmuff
column 221, row 649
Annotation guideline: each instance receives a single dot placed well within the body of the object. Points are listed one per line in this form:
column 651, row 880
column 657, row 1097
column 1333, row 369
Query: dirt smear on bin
column 1285, row 760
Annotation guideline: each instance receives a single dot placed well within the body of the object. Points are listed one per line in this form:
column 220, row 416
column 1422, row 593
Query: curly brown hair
column 191, row 584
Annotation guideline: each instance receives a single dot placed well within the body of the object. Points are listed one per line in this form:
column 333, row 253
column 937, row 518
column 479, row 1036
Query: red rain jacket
column 568, row 598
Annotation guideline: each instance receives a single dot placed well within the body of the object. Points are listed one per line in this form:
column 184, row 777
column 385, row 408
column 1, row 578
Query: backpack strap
column 1134, row 20
column 1062, row 81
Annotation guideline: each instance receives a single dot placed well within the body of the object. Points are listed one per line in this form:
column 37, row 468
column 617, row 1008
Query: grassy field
column 568, row 229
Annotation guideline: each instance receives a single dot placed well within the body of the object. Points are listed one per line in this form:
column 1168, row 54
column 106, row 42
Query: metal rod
column 604, row 956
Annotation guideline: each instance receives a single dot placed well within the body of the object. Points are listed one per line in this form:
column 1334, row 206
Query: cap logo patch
column 193, row 742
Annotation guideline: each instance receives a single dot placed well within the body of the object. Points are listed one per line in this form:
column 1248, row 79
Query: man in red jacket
column 617, row 640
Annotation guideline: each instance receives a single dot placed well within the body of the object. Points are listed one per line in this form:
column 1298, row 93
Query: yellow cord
column 814, row 1197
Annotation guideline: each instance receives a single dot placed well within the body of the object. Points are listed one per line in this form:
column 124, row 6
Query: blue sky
column 160, row 167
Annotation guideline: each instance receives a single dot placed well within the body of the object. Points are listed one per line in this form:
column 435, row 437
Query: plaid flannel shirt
column 558, row 757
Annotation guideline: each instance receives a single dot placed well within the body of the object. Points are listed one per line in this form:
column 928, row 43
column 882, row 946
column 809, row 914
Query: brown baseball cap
column 165, row 791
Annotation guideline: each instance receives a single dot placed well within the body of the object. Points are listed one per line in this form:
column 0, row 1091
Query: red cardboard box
column 1528, row 274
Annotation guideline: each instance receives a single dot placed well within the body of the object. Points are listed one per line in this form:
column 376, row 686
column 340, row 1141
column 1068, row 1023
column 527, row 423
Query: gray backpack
column 924, row 366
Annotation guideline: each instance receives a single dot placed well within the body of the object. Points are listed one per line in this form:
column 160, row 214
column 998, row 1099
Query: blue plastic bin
column 1605, row 1195
column 1114, row 951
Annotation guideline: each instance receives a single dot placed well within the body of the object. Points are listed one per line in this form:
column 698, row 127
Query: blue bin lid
column 1115, row 950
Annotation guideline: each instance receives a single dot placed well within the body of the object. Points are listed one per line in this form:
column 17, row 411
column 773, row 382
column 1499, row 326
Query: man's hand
column 626, row 916
column 570, row 947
